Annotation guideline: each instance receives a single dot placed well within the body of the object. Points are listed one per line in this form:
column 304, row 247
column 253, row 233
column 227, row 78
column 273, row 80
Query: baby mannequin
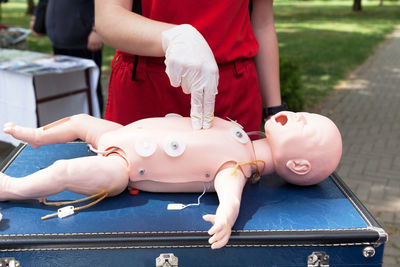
column 167, row 155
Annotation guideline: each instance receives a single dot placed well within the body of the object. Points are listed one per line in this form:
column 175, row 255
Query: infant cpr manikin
column 167, row 155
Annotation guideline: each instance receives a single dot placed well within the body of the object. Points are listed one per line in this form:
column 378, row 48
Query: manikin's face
column 303, row 140
column 288, row 125
column 300, row 129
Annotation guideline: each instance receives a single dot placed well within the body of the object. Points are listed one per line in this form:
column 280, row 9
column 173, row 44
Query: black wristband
column 273, row 110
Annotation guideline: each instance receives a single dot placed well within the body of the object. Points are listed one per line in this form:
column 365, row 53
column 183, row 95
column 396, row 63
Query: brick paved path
column 367, row 111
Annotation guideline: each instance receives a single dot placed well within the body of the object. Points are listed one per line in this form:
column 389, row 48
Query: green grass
column 326, row 38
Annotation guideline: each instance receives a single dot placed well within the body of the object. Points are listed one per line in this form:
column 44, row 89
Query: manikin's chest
column 168, row 150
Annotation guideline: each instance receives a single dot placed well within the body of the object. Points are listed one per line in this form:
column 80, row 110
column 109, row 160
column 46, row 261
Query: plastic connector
column 176, row 206
column 65, row 211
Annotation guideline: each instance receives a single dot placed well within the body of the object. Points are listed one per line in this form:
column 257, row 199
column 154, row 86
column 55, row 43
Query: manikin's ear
column 299, row 166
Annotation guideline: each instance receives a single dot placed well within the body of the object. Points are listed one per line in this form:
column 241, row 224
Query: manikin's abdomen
column 168, row 150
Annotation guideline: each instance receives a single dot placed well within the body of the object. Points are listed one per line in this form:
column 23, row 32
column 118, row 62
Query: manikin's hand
column 220, row 232
column 95, row 42
column 190, row 63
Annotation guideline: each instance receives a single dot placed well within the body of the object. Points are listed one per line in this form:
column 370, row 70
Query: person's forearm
column 129, row 32
column 267, row 64
column 267, row 60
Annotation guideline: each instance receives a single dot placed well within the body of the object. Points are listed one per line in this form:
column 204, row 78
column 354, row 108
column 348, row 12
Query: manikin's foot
column 28, row 135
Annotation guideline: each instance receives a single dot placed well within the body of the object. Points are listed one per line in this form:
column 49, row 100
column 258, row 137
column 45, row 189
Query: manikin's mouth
column 282, row 119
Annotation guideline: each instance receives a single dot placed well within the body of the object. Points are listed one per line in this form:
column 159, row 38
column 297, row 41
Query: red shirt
column 226, row 27
column 225, row 24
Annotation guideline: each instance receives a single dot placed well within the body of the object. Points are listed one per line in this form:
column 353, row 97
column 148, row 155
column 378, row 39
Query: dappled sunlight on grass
column 324, row 77
column 330, row 3
column 345, row 26
column 328, row 40
column 359, row 84
column 349, row 26
column 13, row 14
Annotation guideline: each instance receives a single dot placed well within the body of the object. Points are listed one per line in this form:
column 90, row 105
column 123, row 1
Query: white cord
column 179, row 206
column 198, row 199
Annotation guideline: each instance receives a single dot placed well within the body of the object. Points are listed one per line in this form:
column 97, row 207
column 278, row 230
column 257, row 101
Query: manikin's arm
column 267, row 59
column 82, row 126
column 229, row 187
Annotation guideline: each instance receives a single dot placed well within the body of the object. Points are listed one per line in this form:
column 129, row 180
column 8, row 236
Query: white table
column 36, row 88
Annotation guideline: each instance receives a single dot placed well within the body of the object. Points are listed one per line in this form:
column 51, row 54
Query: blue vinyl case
column 279, row 225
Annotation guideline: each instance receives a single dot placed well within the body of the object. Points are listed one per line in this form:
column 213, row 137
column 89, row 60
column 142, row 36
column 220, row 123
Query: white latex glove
column 191, row 64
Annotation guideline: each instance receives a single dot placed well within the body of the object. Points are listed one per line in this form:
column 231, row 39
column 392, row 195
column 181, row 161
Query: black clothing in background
column 68, row 25
column 40, row 14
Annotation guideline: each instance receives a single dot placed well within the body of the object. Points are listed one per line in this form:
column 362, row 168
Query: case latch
column 318, row 259
column 166, row 260
column 9, row 262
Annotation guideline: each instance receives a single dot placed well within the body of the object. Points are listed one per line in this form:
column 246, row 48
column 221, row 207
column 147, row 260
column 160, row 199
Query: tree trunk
column 31, row 7
column 380, row 2
column 357, row 5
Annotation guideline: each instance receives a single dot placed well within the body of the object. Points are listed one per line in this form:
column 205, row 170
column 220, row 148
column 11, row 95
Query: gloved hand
column 191, row 64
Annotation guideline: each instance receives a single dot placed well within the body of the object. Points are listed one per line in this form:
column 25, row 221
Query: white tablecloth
column 18, row 96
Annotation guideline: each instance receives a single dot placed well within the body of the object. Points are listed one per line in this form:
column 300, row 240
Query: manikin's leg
column 82, row 126
column 86, row 175
column 229, row 187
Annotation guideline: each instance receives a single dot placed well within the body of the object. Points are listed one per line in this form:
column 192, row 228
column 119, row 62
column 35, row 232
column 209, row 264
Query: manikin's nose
column 282, row 119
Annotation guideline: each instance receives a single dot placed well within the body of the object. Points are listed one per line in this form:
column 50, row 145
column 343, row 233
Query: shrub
column 291, row 86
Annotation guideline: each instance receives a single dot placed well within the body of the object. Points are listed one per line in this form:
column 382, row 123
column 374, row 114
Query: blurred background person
column 69, row 24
